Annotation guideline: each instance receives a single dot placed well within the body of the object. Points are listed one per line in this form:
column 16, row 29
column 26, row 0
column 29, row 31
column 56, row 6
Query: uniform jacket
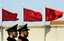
column 10, row 39
column 22, row 38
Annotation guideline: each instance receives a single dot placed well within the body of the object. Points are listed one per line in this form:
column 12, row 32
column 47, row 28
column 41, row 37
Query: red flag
column 52, row 14
column 8, row 16
column 32, row 16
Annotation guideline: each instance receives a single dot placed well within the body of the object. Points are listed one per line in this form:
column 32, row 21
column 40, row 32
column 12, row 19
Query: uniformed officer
column 12, row 32
column 23, row 33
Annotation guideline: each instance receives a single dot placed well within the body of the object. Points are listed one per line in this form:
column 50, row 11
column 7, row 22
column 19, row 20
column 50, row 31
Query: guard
column 23, row 33
column 12, row 32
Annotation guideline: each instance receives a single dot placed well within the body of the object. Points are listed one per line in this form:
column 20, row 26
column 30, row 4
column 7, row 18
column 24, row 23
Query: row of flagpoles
column 31, row 16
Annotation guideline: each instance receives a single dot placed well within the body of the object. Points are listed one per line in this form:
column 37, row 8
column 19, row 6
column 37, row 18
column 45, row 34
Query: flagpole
column 1, row 32
column 44, row 24
column 1, row 24
column 22, row 14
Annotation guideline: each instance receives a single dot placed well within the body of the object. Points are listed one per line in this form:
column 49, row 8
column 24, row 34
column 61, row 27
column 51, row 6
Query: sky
column 36, row 5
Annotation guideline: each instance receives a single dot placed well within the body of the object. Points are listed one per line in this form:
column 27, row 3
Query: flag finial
column 22, row 5
column 44, row 4
column 0, row 4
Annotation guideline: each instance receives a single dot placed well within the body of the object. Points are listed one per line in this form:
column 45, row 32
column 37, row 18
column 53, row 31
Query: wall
column 56, row 33
column 36, row 33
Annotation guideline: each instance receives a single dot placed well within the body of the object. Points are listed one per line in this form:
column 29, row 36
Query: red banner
column 8, row 16
column 52, row 14
column 32, row 16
